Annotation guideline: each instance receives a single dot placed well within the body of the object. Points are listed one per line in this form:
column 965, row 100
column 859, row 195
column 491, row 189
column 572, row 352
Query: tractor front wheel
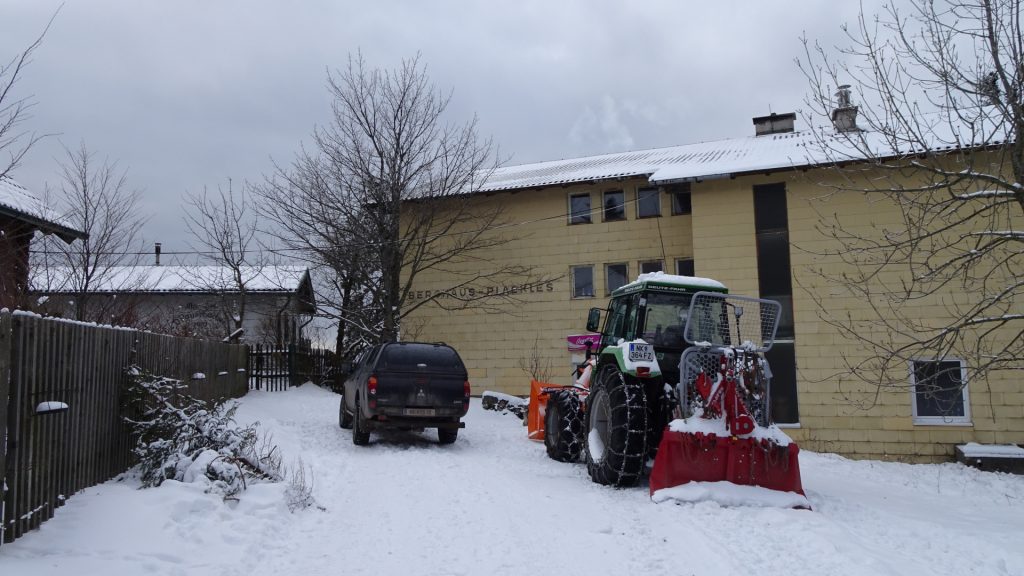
column 563, row 426
column 616, row 439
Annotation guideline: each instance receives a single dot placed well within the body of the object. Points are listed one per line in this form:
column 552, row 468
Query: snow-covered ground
column 493, row 504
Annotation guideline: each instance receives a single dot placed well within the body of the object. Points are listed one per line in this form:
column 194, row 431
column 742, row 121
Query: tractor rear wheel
column 563, row 426
column 616, row 439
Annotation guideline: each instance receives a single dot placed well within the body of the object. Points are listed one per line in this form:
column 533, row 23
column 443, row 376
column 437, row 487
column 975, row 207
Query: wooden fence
column 49, row 457
column 275, row 369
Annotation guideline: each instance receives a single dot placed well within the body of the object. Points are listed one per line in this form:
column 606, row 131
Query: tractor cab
column 655, row 309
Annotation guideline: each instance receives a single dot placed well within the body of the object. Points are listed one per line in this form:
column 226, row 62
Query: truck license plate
column 419, row 412
column 641, row 353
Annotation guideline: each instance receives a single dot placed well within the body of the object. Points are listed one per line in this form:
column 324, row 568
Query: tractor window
column 665, row 319
column 621, row 316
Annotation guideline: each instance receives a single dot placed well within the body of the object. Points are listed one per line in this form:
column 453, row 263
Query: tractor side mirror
column 593, row 319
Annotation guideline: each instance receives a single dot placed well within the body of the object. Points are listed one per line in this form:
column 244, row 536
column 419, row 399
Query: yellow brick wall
column 496, row 342
column 835, row 415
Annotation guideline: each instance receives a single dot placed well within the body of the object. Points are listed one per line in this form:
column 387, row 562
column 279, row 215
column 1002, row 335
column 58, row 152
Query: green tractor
column 653, row 329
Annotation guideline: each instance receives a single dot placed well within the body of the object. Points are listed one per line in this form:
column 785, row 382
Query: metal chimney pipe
column 156, row 251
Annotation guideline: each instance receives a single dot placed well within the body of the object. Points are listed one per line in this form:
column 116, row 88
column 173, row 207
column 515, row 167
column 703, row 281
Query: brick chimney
column 844, row 116
column 774, row 123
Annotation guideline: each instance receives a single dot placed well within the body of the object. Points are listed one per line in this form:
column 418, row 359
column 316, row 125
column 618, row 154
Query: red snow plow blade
column 696, row 457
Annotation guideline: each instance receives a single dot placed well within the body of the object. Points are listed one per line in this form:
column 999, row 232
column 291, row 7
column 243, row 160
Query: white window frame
column 678, row 260
column 640, row 265
column 657, row 196
column 604, row 201
column 625, row 275
column 590, row 210
column 593, row 288
column 964, row 420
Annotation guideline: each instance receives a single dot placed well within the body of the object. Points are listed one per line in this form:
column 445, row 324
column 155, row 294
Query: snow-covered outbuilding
column 200, row 301
column 22, row 214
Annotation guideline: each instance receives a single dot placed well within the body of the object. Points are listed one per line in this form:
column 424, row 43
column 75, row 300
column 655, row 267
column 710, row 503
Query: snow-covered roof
column 135, row 279
column 685, row 281
column 700, row 161
column 17, row 201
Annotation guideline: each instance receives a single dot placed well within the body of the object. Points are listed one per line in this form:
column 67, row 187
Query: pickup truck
column 405, row 385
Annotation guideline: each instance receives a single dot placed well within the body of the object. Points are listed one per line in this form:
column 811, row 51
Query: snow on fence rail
column 78, row 372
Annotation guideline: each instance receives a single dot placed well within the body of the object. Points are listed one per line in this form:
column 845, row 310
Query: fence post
column 5, row 378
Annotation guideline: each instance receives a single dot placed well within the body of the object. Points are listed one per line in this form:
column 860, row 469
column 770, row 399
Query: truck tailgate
column 420, row 391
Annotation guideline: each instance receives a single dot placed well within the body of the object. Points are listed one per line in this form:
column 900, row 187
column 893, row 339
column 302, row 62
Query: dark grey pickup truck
column 406, row 385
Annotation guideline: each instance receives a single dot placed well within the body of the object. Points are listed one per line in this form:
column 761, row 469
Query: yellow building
column 747, row 212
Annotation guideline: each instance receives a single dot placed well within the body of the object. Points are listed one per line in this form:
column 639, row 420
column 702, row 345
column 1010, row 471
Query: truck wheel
column 344, row 418
column 360, row 435
column 563, row 427
column 447, row 435
column 616, row 446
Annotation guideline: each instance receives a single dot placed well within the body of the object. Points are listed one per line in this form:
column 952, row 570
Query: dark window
column 940, row 392
column 614, row 205
column 616, row 275
column 648, row 202
column 773, row 269
column 681, row 199
column 770, row 208
column 414, row 356
column 579, row 209
column 774, row 275
column 782, row 361
column 651, row 266
column 684, row 267
column 583, row 281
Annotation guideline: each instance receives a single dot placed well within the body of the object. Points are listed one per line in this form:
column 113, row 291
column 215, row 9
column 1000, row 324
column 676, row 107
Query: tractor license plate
column 641, row 353
column 419, row 412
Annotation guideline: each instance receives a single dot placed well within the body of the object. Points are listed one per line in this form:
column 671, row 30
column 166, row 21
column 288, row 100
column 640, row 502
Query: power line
column 365, row 244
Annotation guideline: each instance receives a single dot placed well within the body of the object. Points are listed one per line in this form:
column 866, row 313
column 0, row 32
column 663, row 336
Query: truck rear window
column 410, row 356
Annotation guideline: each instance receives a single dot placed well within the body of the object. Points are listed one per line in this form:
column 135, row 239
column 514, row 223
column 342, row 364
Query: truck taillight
column 371, row 385
column 466, row 389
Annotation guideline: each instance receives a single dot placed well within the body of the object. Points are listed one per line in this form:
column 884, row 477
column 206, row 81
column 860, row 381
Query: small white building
column 197, row 301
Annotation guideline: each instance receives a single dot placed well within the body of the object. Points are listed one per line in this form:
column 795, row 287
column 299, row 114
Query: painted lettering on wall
column 474, row 292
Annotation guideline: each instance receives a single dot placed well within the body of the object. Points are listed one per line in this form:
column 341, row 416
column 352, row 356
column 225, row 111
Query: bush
column 182, row 438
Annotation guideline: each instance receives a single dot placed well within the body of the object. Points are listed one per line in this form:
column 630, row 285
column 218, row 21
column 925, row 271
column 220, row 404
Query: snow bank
column 718, row 427
column 729, row 494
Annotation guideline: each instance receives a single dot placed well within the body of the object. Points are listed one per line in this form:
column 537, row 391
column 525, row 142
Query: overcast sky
column 190, row 93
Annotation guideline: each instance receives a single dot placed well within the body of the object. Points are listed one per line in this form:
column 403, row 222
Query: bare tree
column 224, row 229
column 311, row 214
column 14, row 110
column 941, row 126
column 99, row 202
column 385, row 197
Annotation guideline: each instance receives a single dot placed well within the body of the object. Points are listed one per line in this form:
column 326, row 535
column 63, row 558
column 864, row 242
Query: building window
column 615, row 276
column 774, row 279
column 940, row 392
column 582, row 281
column 648, row 202
column 651, row 266
column 680, row 199
column 684, row 267
column 579, row 209
column 614, row 205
